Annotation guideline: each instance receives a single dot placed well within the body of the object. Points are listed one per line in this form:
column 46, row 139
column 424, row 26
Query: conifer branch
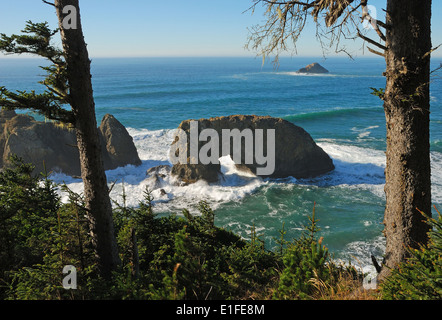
column 37, row 41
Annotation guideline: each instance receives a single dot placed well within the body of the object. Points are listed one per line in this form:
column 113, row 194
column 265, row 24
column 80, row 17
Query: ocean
column 151, row 96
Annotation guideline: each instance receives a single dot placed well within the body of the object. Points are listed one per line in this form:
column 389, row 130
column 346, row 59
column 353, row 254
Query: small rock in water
column 313, row 68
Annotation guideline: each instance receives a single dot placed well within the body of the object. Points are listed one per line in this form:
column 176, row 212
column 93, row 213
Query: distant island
column 313, row 68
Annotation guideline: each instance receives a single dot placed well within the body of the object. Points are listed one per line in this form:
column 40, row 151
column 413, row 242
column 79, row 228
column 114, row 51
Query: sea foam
column 356, row 167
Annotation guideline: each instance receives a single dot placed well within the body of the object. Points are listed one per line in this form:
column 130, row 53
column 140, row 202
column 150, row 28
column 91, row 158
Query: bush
column 190, row 258
column 420, row 277
column 27, row 205
column 308, row 267
column 171, row 257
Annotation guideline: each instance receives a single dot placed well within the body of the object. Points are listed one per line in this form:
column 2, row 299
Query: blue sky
column 134, row 28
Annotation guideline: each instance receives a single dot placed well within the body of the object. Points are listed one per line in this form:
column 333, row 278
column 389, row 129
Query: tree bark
column 96, row 192
column 407, row 111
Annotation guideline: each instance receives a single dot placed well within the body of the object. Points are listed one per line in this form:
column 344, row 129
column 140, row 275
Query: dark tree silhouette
column 405, row 43
column 68, row 82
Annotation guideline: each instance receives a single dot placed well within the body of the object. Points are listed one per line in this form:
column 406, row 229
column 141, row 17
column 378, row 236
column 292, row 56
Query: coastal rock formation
column 156, row 176
column 117, row 144
column 313, row 68
column 295, row 152
column 53, row 147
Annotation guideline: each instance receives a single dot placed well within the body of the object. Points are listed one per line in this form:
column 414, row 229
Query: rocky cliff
column 53, row 147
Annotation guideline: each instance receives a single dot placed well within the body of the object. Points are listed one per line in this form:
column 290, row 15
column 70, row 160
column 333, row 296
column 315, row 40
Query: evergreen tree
column 68, row 82
column 405, row 43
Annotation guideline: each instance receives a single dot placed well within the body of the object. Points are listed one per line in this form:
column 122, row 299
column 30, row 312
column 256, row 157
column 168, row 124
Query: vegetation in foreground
column 176, row 257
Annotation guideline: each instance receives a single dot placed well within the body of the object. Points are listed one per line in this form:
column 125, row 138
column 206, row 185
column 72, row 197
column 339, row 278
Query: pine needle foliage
column 175, row 257
column 420, row 277
column 36, row 40
column 306, row 263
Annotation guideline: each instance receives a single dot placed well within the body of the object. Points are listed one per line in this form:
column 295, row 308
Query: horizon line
column 271, row 58
column 23, row 57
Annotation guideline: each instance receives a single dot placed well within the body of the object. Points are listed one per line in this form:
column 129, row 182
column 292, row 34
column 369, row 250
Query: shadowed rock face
column 52, row 147
column 296, row 154
column 313, row 68
column 117, row 144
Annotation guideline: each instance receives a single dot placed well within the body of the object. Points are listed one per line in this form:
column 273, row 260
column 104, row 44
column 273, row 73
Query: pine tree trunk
column 407, row 110
column 96, row 192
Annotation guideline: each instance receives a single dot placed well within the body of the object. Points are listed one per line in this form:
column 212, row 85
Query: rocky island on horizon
column 313, row 68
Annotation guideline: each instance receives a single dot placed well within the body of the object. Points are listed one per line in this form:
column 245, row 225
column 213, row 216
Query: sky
column 174, row 28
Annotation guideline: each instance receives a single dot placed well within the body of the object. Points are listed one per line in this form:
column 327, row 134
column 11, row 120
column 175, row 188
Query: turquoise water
column 151, row 96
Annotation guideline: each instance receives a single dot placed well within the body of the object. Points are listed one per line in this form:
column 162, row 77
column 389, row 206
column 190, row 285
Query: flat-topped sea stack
column 313, row 68
column 294, row 151
column 53, row 147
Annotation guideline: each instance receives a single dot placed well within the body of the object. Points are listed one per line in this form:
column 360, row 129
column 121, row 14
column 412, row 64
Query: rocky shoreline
column 52, row 146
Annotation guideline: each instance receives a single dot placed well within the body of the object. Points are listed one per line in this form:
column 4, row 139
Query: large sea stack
column 296, row 153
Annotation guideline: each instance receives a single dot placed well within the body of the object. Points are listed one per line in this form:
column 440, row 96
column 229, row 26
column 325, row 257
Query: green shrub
column 307, row 263
column 191, row 258
column 420, row 277
column 303, row 259
column 28, row 204
column 169, row 257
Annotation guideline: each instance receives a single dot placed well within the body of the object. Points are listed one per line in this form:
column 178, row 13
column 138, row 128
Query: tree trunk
column 407, row 110
column 96, row 192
